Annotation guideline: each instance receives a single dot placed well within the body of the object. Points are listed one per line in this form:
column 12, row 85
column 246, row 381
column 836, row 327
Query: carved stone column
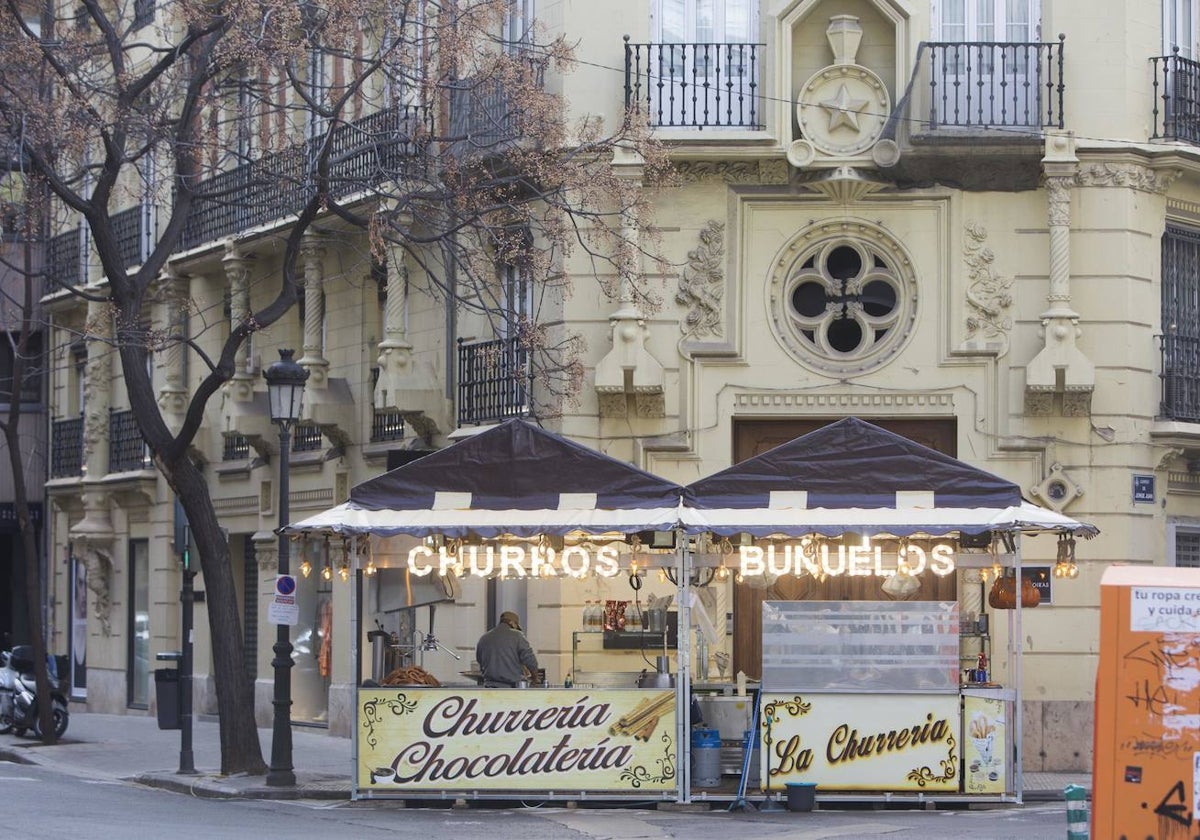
column 237, row 274
column 97, row 386
column 1060, row 368
column 629, row 368
column 395, row 351
column 170, row 304
column 312, row 255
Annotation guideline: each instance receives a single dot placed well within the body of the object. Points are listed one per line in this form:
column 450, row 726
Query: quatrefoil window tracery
column 846, row 305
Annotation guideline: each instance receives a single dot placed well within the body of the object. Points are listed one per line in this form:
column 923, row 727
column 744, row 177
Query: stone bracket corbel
column 630, row 369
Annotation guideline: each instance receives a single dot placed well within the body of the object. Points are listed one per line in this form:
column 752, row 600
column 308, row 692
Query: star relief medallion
column 842, row 109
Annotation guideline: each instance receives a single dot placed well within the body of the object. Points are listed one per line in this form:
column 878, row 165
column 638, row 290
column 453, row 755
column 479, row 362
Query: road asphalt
column 132, row 748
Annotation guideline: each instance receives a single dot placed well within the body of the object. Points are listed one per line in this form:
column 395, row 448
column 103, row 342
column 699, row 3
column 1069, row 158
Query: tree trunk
column 241, row 751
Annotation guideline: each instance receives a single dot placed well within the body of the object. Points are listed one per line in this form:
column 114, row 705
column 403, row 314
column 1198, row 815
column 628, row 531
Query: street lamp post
column 285, row 387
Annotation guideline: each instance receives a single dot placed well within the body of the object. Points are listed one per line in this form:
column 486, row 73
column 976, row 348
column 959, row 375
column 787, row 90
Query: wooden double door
column 753, row 437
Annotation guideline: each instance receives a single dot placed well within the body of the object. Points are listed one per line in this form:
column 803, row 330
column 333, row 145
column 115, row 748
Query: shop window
column 138, row 627
column 845, row 304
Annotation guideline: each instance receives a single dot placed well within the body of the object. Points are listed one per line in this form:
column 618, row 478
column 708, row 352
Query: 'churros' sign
column 414, row 738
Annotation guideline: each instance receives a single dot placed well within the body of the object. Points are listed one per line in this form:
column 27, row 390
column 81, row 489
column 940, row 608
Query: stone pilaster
column 171, row 321
column 237, row 273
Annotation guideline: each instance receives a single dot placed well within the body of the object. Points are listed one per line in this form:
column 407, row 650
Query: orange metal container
column 1146, row 770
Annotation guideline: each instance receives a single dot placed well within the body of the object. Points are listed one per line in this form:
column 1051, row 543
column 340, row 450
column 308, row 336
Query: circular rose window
column 843, row 303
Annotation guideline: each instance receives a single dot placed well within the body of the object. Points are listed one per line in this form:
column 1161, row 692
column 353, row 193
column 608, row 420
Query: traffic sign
column 283, row 608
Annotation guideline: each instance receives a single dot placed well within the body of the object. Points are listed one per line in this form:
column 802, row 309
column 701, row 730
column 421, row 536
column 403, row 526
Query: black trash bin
column 166, row 692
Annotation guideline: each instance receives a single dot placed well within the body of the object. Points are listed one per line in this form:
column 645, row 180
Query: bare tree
column 426, row 125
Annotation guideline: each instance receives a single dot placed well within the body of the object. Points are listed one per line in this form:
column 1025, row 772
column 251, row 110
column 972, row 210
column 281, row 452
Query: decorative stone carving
column 773, row 171
column 1060, row 367
column 730, row 172
column 989, row 296
column 1129, row 175
column 702, row 287
column 171, row 296
column 1056, row 490
column 97, row 387
column 237, row 274
column 99, row 581
column 841, row 110
column 313, row 254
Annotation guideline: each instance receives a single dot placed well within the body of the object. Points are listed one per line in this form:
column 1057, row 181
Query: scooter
column 18, row 695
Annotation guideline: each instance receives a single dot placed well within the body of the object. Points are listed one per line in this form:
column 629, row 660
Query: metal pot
column 655, row 680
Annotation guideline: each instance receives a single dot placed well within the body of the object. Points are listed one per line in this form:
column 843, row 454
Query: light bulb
column 327, row 572
column 370, row 570
column 305, row 567
column 722, row 572
column 739, row 578
column 344, row 572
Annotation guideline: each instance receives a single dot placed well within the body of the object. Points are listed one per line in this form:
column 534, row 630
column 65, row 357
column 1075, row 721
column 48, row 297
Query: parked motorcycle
column 18, row 694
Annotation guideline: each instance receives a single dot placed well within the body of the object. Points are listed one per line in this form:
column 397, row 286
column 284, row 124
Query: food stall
column 867, row 697
column 849, row 502
column 511, row 503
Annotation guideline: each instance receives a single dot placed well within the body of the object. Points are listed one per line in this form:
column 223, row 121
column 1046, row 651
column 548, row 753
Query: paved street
column 112, row 769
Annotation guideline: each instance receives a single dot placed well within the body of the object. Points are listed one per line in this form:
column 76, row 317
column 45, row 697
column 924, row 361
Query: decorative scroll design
column 374, row 712
column 796, row 707
column 989, row 296
column 924, row 775
column 702, row 287
column 639, row 774
column 1128, row 175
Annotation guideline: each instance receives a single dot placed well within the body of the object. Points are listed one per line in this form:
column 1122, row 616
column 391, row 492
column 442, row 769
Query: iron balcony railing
column 130, row 228
column 63, row 262
column 493, row 381
column 387, row 425
column 236, row 447
column 483, row 113
column 694, row 85
column 982, row 85
column 364, row 153
column 1176, row 98
column 1180, row 378
column 127, row 451
column 306, row 437
column 66, row 448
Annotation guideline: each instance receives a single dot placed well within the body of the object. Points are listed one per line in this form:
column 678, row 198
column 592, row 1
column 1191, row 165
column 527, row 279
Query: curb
column 210, row 787
column 15, row 756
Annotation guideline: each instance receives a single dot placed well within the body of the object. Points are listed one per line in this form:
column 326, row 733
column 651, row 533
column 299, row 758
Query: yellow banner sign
column 532, row 739
column 861, row 741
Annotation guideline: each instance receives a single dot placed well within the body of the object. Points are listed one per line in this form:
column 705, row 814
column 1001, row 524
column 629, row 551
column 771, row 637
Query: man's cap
column 511, row 618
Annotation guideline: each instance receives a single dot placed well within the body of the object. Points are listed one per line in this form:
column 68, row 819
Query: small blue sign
column 1143, row 489
column 285, row 585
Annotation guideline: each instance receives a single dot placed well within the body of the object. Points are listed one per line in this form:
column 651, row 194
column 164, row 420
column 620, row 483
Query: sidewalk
column 133, row 748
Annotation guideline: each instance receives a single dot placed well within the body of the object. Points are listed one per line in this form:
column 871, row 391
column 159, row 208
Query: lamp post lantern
column 285, row 389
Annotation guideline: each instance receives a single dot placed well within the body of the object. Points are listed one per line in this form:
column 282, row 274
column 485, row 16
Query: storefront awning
column 854, row 476
column 514, row 479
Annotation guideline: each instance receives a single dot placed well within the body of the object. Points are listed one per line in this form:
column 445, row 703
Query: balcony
column 482, row 113
column 971, row 102
column 63, row 263
column 387, row 426
column 1180, row 378
column 132, row 230
column 493, row 381
column 694, row 86
column 66, row 448
column 1176, row 82
column 127, row 451
column 364, row 153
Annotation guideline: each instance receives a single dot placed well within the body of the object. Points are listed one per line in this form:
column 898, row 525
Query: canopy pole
column 683, row 682
column 1018, row 650
column 356, row 601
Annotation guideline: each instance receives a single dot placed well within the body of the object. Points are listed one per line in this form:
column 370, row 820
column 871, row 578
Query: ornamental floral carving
column 1126, row 175
column 702, row 287
column 735, row 172
column 989, row 296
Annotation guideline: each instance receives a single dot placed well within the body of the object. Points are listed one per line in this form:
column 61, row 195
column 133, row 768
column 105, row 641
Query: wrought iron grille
column 237, row 447
column 128, row 227
column 387, row 426
column 493, row 381
column 1176, row 98
column 66, row 448
column 364, row 153
column 1180, row 342
column 62, row 257
column 482, row 112
column 127, row 451
column 306, row 437
column 987, row 85
column 694, row 85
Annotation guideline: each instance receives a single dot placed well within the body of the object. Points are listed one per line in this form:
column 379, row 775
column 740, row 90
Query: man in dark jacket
column 503, row 653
